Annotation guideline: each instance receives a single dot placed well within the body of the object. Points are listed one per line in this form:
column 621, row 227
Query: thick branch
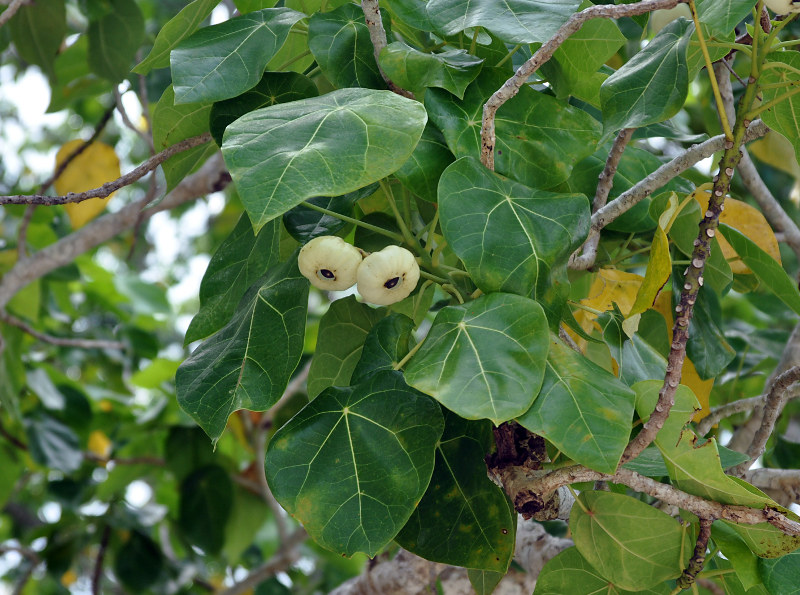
column 698, row 559
column 782, row 484
column 287, row 554
column 109, row 187
column 97, row 575
column 604, row 185
column 728, row 409
column 210, row 178
column 512, row 86
column 61, row 341
column 377, row 35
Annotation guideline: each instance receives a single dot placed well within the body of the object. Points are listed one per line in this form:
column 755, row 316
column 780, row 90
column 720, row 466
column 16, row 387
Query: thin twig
column 130, row 125
column 377, row 34
column 260, row 447
column 777, row 396
column 719, row 413
column 109, row 187
column 11, row 438
column 698, row 559
column 711, row 586
column 61, row 341
column 604, row 184
column 97, row 575
column 33, row 561
column 512, row 86
column 12, row 9
column 295, row 386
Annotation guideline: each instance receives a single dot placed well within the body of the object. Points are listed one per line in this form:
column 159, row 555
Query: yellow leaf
column 69, row 578
column 99, row 444
column 609, row 286
column 659, row 268
column 747, row 220
column 95, row 166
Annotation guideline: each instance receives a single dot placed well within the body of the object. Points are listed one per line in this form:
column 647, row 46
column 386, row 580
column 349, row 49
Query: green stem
column 508, row 56
column 385, row 232
column 739, row 47
column 436, row 278
column 474, row 43
column 752, row 114
column 408, row 355
column 586, row 308
column 295, row 59
column 453, row 290
column 780, row 66
column 716, row 572
column 629, row 254
column 784, row 85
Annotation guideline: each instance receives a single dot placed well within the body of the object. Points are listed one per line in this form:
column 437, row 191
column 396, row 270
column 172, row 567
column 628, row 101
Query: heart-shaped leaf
column 783, row 117
column 722, row 16
column 509, row 236
column 386, row 344
column 422, row 171
column 305, row 223
column 281, row 155
column 353, row 464
column 225, row 60
column 248, row 363
column 484, row 359
column 582, row 409
column 539, row 138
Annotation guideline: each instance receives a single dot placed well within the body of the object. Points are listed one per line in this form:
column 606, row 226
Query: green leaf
column 340, row 43
column 569, row 572
column 246, row 6
column 722, row 16
column 53, row 444
column 636, row 358
column 422, row 171
column 37, row 31
column 354, row 463
column 273, row 88
column 513, row 21
column 225, row 60
column 248, row 363
column 173, row 123
column 464, row 519
column 342, row 332
column 771, row 274
column 412, row 12
column 785, row 116
column 173, row 32
column 241, row 259
column 304, row 223
column 539, row 138
column 206, row 497
column 187, row 449
column 585, row 411
column 281, row 155
column 632, row 544
column 736, row 551
column 484, row 581
column 484, row 359
column 781, row 575
column 114, row 39
column 707, row 347
column 509, row 236
column 411, row 69
column 590, row 47
column 652, row 85
column 72, row 80
column 651, row 464
column 40, row 384
column 138, row 562
column 386, row 344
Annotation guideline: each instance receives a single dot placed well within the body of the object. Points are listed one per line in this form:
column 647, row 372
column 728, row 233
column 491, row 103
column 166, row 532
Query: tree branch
column 512, row 86
column 61, row 341
column 109, row 187
column 33, row 559
column 728, row 409
column 698, row 559
column 604, row 185
column 12, row 9
column 97, row 575
column 785, row 482
column 377, row 35
column 211, row 177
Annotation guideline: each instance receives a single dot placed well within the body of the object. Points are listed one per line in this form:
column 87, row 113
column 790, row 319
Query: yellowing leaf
column 95, row 166
column 99, row 444
column 747, row 220
column 69, row 578
column 658, row 270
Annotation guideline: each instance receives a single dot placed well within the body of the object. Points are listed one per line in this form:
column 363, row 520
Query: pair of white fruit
column 383, row 277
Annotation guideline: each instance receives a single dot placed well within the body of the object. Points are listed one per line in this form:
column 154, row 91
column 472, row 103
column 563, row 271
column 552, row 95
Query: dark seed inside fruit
column 327, row 274
column 391, row 283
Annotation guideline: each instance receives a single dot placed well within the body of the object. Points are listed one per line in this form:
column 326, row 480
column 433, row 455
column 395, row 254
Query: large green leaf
column 138, row 562
column 422, row 171
column 173, row 32
column 632, row 544
column 569, row 572
column 53, row 444
column 484, row 359
column 411, row 12
column 464, row 519
column 590, row 47
column 241, row 259
column 205, row 506
column 326, row 146
column 539, row 138
column 273, row 88
column 227, row 59
column 386, row 344
column 174, row 123
column 513, row 21
column 340, row 43
column 582, row 409
column 771, row 274
column 785, row 116
column 248, row 363
column 114, row 40
column 342, row 332
column 722, row 16
column 353, row 464
column 636, row 358
column 509, row 236
column 72, row 79
column 782, row 575
column 414, row 70
column 707, row 347
column 37, row 30
column 652, row 85
column 484, row 581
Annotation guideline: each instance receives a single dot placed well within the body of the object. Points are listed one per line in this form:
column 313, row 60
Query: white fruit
column 329, row 263
column 783, row 6
column 388, row 276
